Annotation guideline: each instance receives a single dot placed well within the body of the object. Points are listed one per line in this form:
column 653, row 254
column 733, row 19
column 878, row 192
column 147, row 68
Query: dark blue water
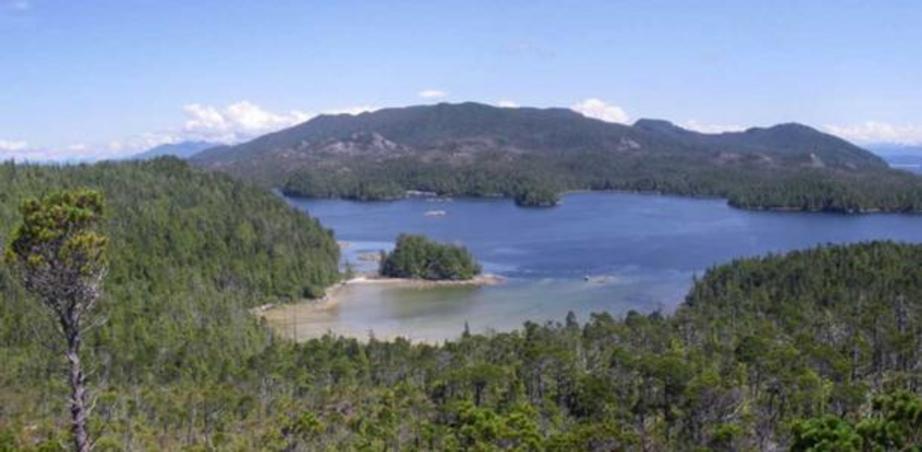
column 640, row 252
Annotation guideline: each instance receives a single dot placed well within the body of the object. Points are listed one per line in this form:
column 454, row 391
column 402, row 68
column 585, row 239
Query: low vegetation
column 417, row 257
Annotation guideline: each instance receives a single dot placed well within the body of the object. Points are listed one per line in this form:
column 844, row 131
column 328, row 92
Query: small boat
column 435, row 213
column 600, row 279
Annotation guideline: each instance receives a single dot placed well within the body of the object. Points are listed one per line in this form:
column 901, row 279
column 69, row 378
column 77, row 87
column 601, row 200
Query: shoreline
column 486, row 279
column 277, row 315
column 564, row 193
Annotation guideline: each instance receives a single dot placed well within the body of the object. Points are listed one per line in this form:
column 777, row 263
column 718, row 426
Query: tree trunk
column 78, row 409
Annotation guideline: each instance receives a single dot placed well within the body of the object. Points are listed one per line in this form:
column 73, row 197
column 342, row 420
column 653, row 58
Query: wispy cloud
column 10, row 145
column 711, row 128
column 19, row 5
column 232, row 123
column 530, row 48
column 507, row 104
column 432, row 94
column 355, row 110
column 22, row 151
column 599, row 109
column 878, row 132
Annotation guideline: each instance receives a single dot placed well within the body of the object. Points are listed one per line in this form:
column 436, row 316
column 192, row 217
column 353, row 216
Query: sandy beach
column 279, row 316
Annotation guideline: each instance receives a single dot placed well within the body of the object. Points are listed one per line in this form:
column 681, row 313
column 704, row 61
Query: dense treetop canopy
column 813, row 348
column 415, row 256
column 187, row 249
column 60, row 228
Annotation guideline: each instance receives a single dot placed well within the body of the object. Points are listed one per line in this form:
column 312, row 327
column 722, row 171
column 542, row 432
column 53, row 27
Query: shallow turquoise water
column 645, row 247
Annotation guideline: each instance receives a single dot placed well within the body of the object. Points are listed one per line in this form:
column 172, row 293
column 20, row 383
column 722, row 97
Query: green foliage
column 483, row 429
column 894, row 423
column 415, row 256
column 60, row 253
column 313, row 292
column 537, row 196
column 825, row 339
column 59, row 231
column 189, row 254
column 827, row 433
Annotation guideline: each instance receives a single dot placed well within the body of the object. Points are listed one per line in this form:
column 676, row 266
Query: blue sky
column 103, row 78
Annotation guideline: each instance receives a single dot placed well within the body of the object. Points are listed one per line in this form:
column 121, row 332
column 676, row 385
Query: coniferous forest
column 817, row 348
column 415, row 256
column 537, row 182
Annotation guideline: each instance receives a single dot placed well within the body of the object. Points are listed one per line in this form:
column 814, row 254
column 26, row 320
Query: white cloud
column 432, row 94
column 598, row 109
column 243, row 120
column 12, row 146
column 236, row 121
column 878, row 132
column 356, row 110
column 232, row 123
column 711, row 128
column 507, row 104
column 229, row 124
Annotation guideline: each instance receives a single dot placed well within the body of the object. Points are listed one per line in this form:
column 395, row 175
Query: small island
column 537, row 197
column 417, row 257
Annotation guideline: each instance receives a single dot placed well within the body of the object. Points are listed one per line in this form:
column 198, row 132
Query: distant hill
column 892, row 149
column 900, row 156
column 183, row 150
column 481, row 150
column 906, row 162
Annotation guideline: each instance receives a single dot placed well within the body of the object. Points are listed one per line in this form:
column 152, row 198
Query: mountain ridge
column 481, row 150
column 558, row 129
column 182, row 149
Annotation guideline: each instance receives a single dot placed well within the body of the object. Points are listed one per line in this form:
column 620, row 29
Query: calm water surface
column 640, row 250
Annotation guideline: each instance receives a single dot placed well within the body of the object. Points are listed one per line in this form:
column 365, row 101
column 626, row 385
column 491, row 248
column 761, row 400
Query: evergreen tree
column 60, row 255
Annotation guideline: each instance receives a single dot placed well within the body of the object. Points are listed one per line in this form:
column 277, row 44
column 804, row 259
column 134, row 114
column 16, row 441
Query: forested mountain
column 183, row 150
column 479, row 150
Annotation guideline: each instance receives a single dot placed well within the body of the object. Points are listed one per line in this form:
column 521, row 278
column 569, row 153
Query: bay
column 639, row 252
